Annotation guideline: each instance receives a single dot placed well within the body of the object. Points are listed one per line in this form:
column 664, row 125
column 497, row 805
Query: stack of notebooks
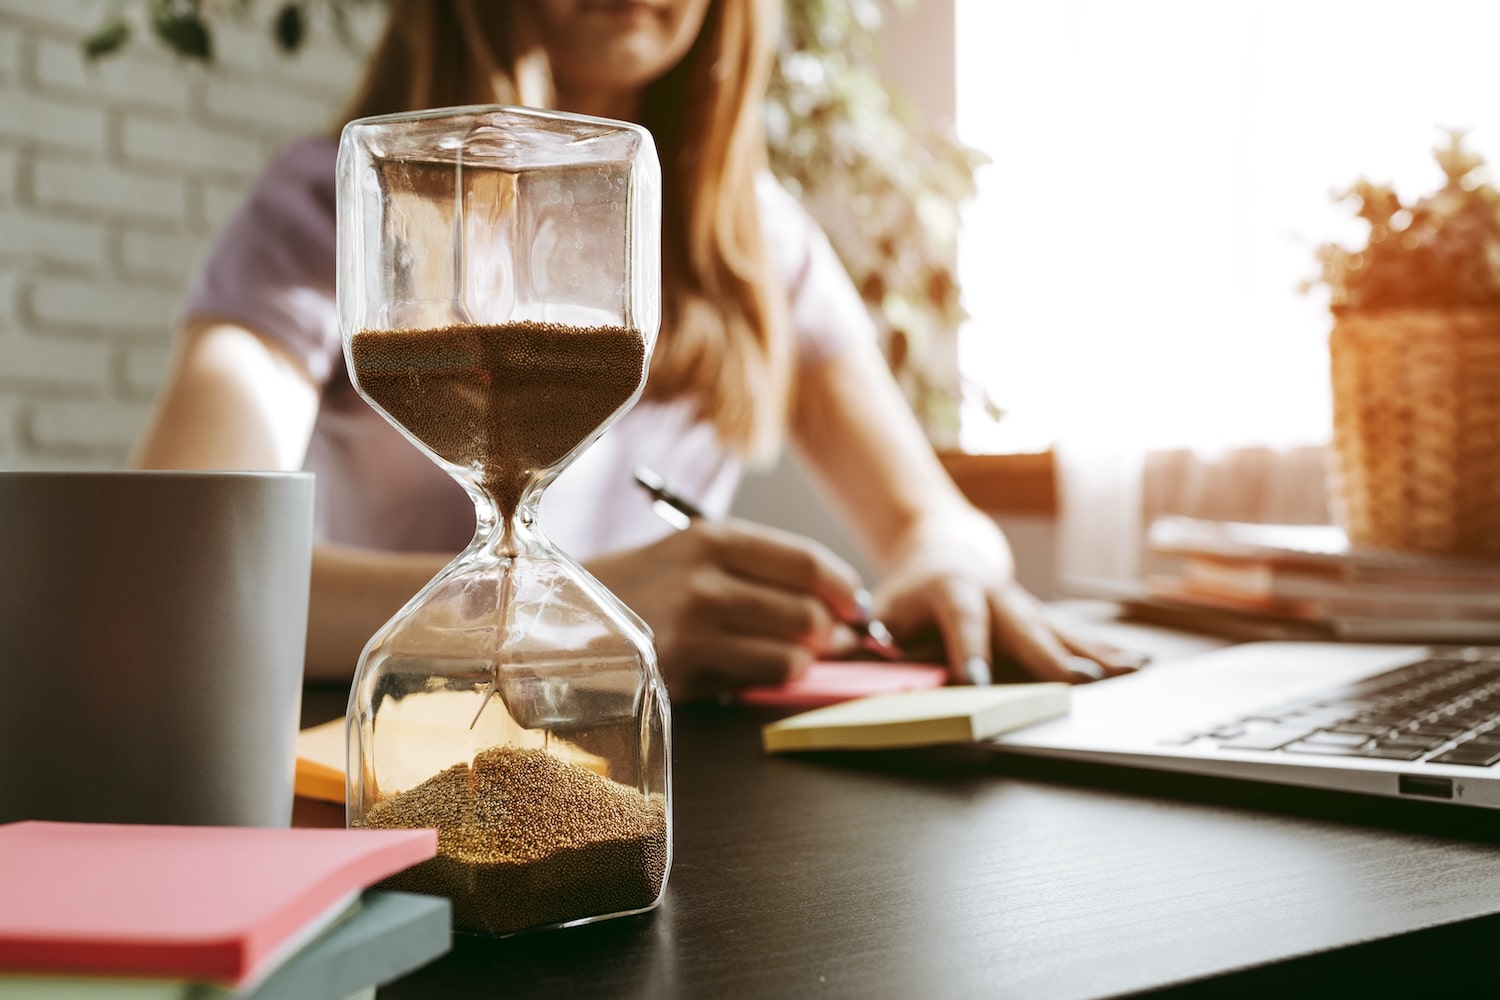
column 1270, row 581
column 94, row 911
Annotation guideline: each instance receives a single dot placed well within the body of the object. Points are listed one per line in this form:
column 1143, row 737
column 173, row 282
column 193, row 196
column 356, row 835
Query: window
column 1162, row 176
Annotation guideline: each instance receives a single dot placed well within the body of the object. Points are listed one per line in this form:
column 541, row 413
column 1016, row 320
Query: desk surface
column 951, row 872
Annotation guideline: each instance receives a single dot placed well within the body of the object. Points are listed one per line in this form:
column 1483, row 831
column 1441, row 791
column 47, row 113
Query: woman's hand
column 954, row 577
column 735, row 604
column 948, row 572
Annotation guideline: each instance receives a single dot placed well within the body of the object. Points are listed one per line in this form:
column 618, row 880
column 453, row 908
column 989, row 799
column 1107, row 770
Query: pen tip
column 647, row 478
column 878, row 639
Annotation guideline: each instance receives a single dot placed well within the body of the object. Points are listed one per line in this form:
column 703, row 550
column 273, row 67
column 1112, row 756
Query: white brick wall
column 10, row 426
column 60, row 363
column 10, row 167
column 215, row 202
column 238, row 105
column 29, row 235
column 10, row 294
column 113, row 178
column 105, row 190
column 181, row 147
column 37, row 119
column 10, row 53
column 96, row 308
column 157, row 256
column 143, row 76
column 142, row 370
column 73, row 17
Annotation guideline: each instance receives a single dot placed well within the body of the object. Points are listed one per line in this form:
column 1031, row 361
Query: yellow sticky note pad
column 918, row 718
column 320, row 762
column 433, row 733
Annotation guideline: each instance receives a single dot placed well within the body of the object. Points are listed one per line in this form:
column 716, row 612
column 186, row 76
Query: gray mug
column 152, row 633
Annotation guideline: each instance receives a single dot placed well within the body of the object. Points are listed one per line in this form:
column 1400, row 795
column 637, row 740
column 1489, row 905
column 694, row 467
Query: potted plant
column 1415, row 364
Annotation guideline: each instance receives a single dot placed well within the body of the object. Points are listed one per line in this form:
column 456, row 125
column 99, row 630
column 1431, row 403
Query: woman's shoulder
column 781, row 214
column 272, row 266
column 826, row 310
column 296, row 188
column 302, row 170
column 793, row 238
column 796, row 241
column 312, row 158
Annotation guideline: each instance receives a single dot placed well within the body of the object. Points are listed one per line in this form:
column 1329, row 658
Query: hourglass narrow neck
column 503, row 533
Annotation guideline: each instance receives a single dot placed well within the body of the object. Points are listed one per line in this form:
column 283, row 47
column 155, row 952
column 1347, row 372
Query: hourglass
column 499, row 296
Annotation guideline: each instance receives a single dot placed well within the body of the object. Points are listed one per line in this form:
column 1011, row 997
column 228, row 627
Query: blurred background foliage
column 885, row 183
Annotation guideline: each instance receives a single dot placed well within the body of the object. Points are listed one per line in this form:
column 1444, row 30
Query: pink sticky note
column 830, row 683
column 203, row 903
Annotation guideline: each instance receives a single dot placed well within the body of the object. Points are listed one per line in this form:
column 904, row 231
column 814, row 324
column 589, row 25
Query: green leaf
column 106, row 38
column 289, row 27
column 177, row 22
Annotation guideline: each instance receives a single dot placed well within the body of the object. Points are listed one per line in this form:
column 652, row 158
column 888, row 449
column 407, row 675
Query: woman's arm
column 355, row 592
column 233, row 400
column 947, row 565
column 731, row 603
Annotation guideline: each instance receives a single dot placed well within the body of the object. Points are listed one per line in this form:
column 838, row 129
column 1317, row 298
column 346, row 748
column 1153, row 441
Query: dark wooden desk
column 952, row 873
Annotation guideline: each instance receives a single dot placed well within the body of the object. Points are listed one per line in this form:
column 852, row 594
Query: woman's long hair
column 725, row 341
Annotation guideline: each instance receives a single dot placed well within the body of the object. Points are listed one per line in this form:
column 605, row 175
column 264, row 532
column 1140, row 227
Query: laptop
column 1411, row 722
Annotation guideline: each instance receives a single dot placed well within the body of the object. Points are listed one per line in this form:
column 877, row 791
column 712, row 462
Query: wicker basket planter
column 1416, row 429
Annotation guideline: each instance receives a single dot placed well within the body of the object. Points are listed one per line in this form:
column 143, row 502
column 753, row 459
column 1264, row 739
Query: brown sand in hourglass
column 507, row 400
column 525, row 839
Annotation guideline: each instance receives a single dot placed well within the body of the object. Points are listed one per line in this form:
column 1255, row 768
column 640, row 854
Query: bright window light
column 1162, row 175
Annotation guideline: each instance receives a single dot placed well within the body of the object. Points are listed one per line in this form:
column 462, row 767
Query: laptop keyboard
column 1442, row 710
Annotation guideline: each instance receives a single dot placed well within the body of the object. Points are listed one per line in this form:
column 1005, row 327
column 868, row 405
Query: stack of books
column 1279, row 581
column 94, row 911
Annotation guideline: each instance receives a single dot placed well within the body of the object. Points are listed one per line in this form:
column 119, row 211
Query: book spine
column 1267, row 582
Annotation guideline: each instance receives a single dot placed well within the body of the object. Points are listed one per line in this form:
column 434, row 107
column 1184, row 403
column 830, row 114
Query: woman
column 762, row 335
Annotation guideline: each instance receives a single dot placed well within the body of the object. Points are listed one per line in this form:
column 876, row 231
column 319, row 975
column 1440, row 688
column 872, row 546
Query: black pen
column 873, row 635
column 674, row 509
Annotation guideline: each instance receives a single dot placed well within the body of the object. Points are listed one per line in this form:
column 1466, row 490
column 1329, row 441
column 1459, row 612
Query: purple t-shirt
column 272, row 271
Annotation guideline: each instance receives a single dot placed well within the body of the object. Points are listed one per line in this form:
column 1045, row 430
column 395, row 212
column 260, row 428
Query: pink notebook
column 218, row 904
column 831, row 683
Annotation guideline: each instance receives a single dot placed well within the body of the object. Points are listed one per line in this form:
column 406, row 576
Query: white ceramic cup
column 152, row 633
